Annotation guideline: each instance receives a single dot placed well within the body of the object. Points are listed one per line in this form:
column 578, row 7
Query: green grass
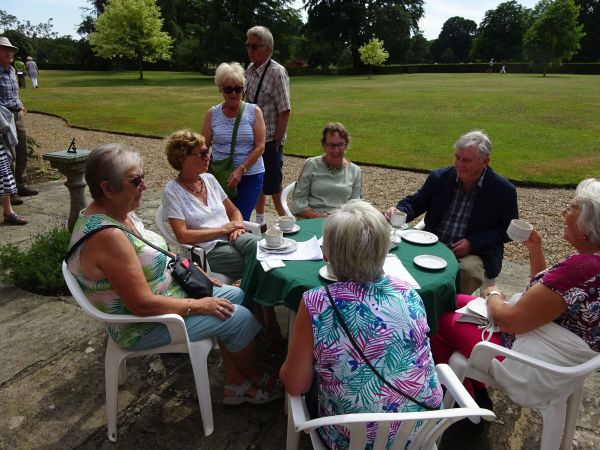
column 544, row 130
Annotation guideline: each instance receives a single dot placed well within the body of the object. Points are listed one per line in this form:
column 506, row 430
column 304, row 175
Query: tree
column 373, row 54
column 350, row 23
column 554, row 36
column 456, row 36
column 589, row 17
column 500, row 33
column 131, row 29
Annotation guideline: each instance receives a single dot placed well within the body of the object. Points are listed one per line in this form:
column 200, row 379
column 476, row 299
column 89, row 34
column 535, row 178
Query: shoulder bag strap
column 373, row 369
column 236, row 125
column 260, row 82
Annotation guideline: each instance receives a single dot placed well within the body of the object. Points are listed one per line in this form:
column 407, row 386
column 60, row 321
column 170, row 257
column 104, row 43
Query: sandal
column 14, row 219
column 240, row 395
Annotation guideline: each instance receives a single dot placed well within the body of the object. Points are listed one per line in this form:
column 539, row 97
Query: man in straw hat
column 9, row 98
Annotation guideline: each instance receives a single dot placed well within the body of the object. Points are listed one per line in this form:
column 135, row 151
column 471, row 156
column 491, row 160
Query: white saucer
column 401, row 227
column 289, row 245
column 294, row 229
column 419, row 237
column 323, row 273
column 430, row 262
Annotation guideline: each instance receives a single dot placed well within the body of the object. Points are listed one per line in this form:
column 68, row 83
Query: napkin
column 306, row 251
column 272, row 264
column 394, row 267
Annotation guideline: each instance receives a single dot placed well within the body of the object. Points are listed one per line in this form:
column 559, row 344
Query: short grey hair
column 356, row 240
column 263, row 33
column 587, row 197
column 477, row 139
column 109, row 162
column 230, row 72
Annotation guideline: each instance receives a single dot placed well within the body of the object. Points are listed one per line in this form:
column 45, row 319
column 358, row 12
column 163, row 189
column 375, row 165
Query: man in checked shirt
column 268, row 85
column 469, row 207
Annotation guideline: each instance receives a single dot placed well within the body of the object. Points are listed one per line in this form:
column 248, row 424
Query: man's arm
column 281, row 124
column 418, row 203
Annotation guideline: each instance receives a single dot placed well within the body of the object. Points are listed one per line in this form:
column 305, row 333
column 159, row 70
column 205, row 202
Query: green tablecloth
column 285, row 286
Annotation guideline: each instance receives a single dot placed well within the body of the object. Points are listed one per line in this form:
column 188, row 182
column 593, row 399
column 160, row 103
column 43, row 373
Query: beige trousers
column 471, row 274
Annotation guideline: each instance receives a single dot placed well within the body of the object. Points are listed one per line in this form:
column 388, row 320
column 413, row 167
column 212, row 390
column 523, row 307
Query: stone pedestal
column 72, row 165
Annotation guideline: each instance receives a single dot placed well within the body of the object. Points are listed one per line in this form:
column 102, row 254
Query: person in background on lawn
column 20, row 68
column 269, row 87
column 469, row 207
column 9, row 98
column 32, row 71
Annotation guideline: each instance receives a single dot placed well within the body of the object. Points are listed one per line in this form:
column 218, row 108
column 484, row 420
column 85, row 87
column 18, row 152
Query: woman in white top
column 198, row 209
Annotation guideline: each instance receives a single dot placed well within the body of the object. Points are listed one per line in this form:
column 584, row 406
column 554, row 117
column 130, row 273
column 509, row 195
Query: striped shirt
column 9, row 89
column 274, row 95
column 453, row 226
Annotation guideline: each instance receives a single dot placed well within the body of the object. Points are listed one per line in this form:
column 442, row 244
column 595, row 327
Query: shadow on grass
column 130, row 79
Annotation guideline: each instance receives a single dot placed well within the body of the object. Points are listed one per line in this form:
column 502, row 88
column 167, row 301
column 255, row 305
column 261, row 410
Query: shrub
column 38, row 269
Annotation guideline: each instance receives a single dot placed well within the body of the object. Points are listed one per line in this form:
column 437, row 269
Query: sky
column 67, row 14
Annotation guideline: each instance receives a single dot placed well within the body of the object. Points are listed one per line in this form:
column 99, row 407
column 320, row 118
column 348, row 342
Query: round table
column 285, row 285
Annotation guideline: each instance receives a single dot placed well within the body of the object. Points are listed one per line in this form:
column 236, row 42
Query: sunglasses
column 254, row 46
column 203, row 154
column 230, row 89
column 136, row 181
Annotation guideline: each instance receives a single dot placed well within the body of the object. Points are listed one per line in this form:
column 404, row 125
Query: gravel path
column 382, row 187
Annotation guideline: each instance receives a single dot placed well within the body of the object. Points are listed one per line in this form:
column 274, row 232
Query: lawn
column 544, row 130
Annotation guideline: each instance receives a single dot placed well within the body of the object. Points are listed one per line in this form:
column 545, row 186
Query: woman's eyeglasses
column 136, row 181
column 341, row 146
column 203, row 154
column 230, row 89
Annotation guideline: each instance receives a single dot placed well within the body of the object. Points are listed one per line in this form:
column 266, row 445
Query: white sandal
column 259, row 398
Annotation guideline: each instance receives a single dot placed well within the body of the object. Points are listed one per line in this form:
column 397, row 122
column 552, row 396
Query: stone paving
column 52, row 377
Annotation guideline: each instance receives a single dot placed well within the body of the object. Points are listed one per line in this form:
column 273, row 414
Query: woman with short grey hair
column 219, row 124
column 385, row 315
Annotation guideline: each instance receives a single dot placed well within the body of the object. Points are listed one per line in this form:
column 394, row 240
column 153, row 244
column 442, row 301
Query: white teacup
column 274, row 237
column 519, row 230
column 286, row 223
column 398, row 218
column 329, row 270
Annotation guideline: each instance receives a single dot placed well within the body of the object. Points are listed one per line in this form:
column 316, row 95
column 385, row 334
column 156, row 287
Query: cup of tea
column 274, row 237
column 286, row 223
column 519, row 230
column 398, row 218
column 329, row 270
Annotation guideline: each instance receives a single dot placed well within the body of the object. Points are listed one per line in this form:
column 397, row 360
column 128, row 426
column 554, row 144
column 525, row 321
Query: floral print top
column 101, row 294
column 387, row 319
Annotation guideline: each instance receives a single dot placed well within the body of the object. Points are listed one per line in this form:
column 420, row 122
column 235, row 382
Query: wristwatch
column 493, row 293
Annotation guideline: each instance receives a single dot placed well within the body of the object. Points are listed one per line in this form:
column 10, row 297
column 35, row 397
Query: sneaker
column 15, row 199
column 26, row 191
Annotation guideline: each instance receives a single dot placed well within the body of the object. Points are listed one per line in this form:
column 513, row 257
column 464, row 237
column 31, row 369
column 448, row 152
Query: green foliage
column 455, row 40
column 554, row 36
column 373, row 54
column 38, row 269
column 589, row 17
column 131, row 29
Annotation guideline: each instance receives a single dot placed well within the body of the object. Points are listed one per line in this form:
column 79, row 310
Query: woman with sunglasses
column 249, row 170
column 329, row 180
column 121, row 274
column 198, row 209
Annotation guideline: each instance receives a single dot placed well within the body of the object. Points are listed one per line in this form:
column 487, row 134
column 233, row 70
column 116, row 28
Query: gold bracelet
column 315, row 214
column 243, row 166
column 189, row 307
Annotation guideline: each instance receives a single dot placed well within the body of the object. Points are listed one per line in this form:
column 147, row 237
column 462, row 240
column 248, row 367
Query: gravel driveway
column 381, row 187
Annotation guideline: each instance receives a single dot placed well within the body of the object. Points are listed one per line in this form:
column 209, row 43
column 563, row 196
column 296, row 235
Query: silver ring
column 220, row 309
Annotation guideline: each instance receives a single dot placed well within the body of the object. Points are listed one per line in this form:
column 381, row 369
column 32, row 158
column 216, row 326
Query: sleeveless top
column 101, row 294
column 387, row 319
column 222, row 129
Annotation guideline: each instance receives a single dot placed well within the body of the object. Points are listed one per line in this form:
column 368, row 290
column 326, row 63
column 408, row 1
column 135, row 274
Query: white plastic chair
column 167, row 232
column 284, row 195
column 487, row 282
column 435, row 422
column 116, row 357
column 560, row 417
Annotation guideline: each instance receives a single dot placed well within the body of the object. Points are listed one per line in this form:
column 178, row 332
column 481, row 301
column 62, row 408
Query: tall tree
column 589, row 17
column 500, row 33
column 351, row 22
column 554, row 36
column 456, row 35
column 131, row 29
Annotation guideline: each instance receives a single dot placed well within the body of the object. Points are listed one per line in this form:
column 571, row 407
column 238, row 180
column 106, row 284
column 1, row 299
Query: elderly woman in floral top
column 385, row 315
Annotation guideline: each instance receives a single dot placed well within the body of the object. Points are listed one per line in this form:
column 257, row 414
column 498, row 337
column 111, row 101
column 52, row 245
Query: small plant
column 32, row 146
column 38, row 269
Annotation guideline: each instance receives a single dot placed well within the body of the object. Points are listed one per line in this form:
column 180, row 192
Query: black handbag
column 223, row 168
column 193, row 281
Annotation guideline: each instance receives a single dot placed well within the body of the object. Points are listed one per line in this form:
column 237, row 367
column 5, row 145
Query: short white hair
column 587, row 197
column 477, row 139
column 262, row 33
column 356, row 240
column 230, row 72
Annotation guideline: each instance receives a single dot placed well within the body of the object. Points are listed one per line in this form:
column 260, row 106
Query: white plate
column 324, row 274
column 294, row 229
column 430, row 262
column 289, row 245
column 419, row 237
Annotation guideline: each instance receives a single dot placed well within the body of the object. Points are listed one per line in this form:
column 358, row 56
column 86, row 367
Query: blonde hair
column 180, row 144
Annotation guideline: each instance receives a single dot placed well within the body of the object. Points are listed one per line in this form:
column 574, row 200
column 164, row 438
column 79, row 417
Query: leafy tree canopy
column 456, row 36
column 554, row 35
column 131, row 29
column 373, row 54
column 589, row 17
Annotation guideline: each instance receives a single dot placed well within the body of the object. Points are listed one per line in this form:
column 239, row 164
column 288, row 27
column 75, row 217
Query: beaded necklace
column 333, row 170
column 193, row 188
